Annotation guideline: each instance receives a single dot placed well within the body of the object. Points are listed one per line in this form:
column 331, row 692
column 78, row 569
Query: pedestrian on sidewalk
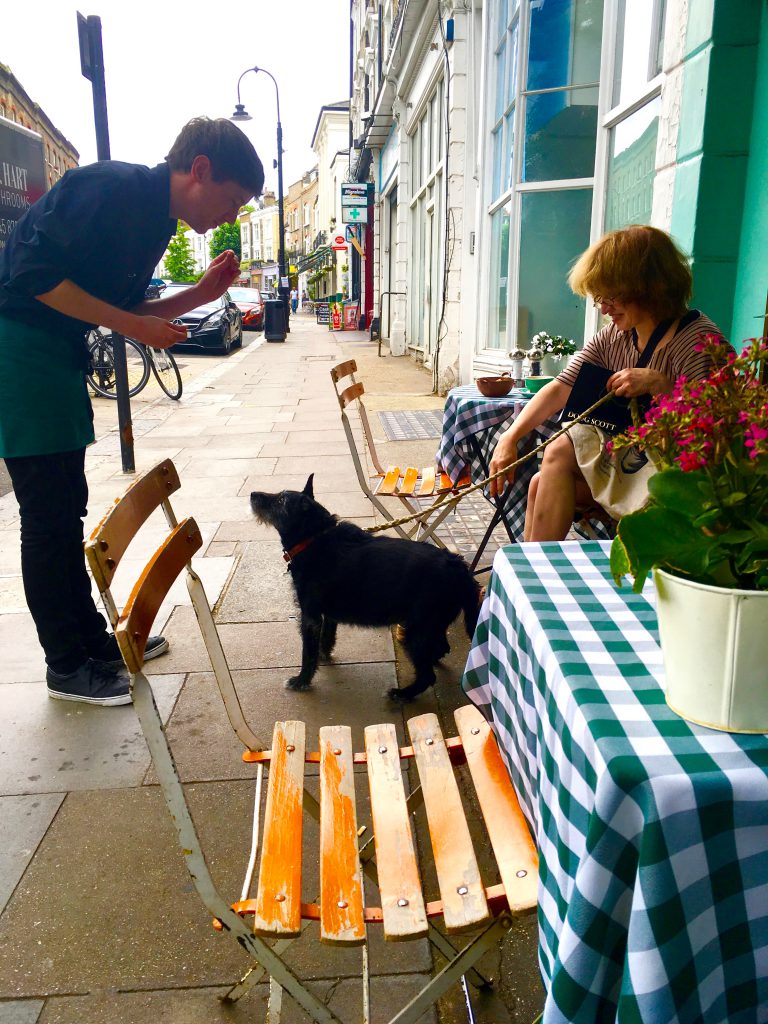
column 82, row 256
column 294, row 300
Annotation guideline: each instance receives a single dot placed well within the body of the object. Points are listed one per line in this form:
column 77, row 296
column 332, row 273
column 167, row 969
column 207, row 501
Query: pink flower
column 689, row 461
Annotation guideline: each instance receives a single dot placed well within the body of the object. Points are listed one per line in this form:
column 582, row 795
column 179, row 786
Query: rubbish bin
column 274, row 320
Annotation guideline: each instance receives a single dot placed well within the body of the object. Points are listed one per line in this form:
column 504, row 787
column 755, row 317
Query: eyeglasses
column 598, row 301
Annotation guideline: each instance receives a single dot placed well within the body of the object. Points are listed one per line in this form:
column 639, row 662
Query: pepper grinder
column 535, row 357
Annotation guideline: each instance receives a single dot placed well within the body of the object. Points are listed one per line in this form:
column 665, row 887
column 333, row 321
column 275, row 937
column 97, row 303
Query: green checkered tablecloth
column 652, row 833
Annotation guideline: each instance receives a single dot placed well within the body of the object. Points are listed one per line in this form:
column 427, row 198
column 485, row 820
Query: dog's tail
column 470, row 603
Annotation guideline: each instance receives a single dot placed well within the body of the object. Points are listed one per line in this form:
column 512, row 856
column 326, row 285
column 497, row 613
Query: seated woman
column 641, row 281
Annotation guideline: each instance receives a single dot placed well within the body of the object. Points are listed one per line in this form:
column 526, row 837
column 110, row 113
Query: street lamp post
column 241, row 114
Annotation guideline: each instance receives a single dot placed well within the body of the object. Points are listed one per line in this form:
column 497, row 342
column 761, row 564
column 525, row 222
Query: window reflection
column 560, row 132
column 565, row 39
column 497, row 325
column 554, row 231
column 631, row 168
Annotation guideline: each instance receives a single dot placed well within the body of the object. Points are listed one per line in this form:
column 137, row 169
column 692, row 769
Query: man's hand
column 636, row 381
column 157, row 333
column 221, row 273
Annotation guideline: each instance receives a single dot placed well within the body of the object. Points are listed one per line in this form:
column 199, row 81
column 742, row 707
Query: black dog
column 343, row 574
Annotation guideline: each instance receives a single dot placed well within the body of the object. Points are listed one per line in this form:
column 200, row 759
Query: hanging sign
column 339, row 243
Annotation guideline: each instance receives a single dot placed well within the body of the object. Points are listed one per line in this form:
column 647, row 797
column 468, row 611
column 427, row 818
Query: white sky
column 167, row 61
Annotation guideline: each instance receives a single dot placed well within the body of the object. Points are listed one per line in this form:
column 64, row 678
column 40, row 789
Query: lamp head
column 240, row 114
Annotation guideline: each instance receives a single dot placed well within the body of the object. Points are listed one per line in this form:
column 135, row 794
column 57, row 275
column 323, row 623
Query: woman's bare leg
column 559, row 490
column 533, row 489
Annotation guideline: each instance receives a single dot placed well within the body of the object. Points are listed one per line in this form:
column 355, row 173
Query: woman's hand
column 504, row 453
column 636, row 381
column 221, row 273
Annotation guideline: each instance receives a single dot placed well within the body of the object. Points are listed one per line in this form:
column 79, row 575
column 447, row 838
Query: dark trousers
column 52, row 493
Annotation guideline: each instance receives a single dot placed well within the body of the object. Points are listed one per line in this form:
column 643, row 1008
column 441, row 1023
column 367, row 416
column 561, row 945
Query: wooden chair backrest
column 109, row 540
column 354, row 392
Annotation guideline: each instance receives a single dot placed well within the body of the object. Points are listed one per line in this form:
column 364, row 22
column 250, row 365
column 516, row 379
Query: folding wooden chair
column 406, row 484
column 279, row 910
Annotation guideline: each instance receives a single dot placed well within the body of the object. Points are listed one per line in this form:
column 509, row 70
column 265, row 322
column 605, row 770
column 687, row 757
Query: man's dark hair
column 231, row 153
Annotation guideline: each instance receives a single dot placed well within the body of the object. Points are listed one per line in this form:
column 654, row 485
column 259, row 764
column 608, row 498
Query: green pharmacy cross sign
column 354, row 202
column 354, row 215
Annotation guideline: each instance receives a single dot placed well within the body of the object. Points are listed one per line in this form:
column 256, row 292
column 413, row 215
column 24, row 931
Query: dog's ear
column 308, row 489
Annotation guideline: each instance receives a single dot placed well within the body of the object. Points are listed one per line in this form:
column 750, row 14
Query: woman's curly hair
column 638, row 264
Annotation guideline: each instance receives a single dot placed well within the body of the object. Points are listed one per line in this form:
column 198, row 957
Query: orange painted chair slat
column 511, row 841
column 458, row 873
column 278, row 901
column 341, row 880
column 410, row 476
column 389, row 483
column 402, row 902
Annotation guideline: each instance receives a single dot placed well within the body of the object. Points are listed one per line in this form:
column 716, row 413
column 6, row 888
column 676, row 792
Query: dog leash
column 452, row 502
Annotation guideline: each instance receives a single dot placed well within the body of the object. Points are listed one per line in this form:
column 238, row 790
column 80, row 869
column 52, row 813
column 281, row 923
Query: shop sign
column 322, row 312
column 22, row 174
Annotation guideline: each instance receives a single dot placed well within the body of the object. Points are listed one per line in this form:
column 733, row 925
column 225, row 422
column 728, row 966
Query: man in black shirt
column 83, row 256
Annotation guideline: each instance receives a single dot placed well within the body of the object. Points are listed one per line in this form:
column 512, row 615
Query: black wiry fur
column 347, row 575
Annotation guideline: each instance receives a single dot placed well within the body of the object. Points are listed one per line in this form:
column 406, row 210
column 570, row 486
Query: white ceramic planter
column 715, row 647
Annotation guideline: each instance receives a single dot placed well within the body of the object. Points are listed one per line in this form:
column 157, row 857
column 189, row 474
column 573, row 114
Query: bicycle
column 140, row 360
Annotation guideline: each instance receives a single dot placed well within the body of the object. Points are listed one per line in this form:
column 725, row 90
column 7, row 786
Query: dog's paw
column 399, row 696
column 297, row 683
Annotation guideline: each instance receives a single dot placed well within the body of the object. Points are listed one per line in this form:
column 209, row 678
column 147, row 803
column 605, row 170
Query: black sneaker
column 92, row 683
column 110, row 652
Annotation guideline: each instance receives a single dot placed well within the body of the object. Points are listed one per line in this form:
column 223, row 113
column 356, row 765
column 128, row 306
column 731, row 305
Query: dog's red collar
column 291, row 553
column 297, row 549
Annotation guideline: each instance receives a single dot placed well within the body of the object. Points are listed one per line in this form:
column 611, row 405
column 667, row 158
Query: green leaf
column 681, row 492
column 620, row 566
column 708, row 518
column 657, row 537
column 734, row 498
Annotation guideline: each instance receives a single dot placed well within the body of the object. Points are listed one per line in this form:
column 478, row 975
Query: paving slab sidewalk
column 99, row 919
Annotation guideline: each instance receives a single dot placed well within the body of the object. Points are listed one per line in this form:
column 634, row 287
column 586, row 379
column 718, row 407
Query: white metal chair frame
column 468, row 905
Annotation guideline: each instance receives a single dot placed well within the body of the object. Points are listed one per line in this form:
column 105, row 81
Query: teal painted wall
column 752, row 271
column 713, row 148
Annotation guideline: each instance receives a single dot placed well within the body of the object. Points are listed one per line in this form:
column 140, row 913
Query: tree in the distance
column 179, row 261
column 226, row 236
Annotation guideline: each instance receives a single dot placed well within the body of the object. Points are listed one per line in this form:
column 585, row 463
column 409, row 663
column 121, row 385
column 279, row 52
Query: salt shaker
column 517, row 357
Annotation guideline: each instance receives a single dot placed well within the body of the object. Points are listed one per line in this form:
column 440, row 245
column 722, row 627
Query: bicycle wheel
column 101, row 373
column 166, row 371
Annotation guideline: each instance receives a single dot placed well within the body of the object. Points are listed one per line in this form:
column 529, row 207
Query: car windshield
column 245, row 294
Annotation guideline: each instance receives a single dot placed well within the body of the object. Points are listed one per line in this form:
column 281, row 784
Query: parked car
column 223, row 328
column 251, row 304
column 268, row 294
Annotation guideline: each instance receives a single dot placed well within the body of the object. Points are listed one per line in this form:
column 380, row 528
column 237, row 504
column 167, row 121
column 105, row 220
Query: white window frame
column 419, row 191
column 512, row 196
column 610, row 116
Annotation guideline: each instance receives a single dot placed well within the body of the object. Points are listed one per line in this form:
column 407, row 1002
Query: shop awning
column 319, row 258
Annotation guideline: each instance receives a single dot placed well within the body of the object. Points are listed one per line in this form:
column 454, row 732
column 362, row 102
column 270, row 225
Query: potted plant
column 704, row 535
column 554, row 348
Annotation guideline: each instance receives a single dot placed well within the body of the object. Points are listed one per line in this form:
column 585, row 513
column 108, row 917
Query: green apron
column 44, row 402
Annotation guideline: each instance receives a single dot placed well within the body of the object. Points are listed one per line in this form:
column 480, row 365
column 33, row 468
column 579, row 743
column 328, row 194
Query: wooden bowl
column 495, row 387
